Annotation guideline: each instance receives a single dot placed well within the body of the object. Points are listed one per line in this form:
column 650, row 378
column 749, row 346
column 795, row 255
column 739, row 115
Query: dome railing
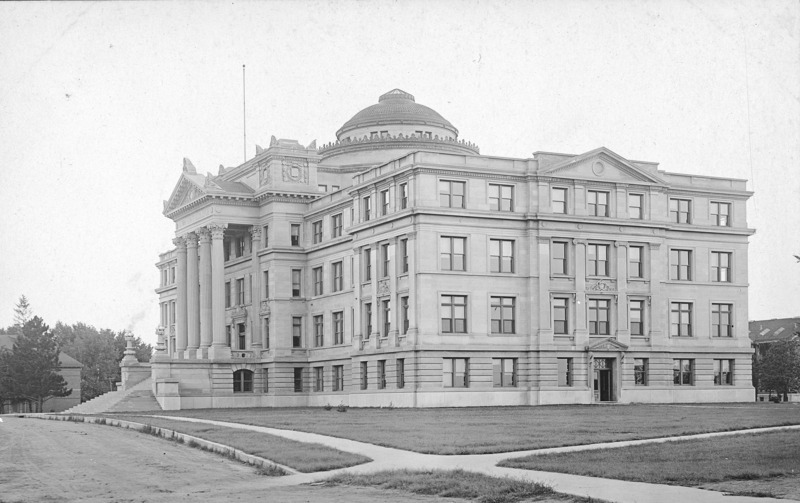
column 400, row 137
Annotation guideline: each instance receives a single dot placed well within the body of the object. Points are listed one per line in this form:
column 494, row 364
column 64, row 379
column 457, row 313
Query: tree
column 6, row 390
column 22, row 312
column 779, row 369
column 33, row 367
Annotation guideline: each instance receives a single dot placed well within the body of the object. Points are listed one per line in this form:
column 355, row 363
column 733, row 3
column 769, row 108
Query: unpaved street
column 59, row 461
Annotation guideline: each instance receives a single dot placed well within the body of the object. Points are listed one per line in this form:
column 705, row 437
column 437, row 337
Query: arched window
column 243, row 381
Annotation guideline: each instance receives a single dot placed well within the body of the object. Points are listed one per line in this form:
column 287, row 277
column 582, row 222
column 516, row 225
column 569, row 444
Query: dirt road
column 59, row 461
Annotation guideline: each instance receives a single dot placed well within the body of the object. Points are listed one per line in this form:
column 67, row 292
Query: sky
column 100, row 102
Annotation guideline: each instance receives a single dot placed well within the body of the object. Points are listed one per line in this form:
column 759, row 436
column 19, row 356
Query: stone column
column 254, row 313
column 193, row 301
column 581, row 328
column 545, row 327
column 413, row 328
column 357, row 321
column 181, row 332
column 394, row 299
column 218, row 350
column 205, row 292
column 622, row 325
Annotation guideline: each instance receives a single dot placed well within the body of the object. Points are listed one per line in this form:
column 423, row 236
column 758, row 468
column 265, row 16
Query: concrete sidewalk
column 618, row 491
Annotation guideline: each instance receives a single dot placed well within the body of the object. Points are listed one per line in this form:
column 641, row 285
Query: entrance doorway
column 604, row 380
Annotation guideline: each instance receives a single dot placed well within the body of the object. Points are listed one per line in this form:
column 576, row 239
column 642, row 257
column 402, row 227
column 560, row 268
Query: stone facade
column 403, row 268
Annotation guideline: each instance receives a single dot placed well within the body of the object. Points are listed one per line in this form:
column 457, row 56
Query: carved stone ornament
column 607, row 345
column 239, row 313
column 194, row 193
column 383, row 288
column 601, row 286
column 217, row 230
column 265, row 307
column 295, row 171
column 255, row 233
column 264, row 174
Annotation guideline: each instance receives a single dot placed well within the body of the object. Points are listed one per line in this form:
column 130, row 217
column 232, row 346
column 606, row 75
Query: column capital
column 580, row 241
column 180, row 242
column 620, row 244
column 217, row 230
column 204, row 236
column 255, row 233
column 191, row 240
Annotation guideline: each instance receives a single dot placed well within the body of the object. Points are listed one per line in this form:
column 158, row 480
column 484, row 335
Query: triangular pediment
column 606, row 345
column 602, row 165
column 189, row 188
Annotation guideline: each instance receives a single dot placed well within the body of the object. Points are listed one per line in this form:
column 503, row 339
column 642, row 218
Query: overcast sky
column 100, row 102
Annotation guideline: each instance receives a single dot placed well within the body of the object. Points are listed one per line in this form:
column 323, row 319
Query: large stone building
column 398, row 266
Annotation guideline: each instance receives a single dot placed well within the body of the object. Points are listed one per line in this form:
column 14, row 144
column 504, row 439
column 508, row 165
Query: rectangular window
column 401, row 373
column 683, row 372
column 338, row 377
column 598, row 203
column 559, row 196
column 386, row 314
column 404, row 255
column 564, row 371
column 723, row 372
column 318, row 331
column 367, row 320
column 452, row 253
column 635, row 206
column 680, row 265
column 298, row 379
column 296, row 282
column 501, row 197
column 451, row 194
column 502, row 315
column 403, row 196
column 501, row 255
column 721, row 267
column 560, row 324
column 243, row 381
column 720, row 214
column 338, row 327
column 636, row 316
column 385, row 202
column 404, row 313
column 381, row 374
column 266, row 236
column 336, row 225
column 266, row 284
column 338, row 282
column 316, row 273
column 316, row 231
column 454, row 314
column 364, row 376
column 367, row 264
column 266, row 332
column 266, row 380
column 635, row 265
column 598, row 317
column 227, row 294
column 456, row 372
column 559, row 258
column 640, row 368
column 680, row 323
column 295, row 234
column 228, row 335
column 680, row 211
column 242, row 339
column 240, row 292
column 239, row 246
column 504, row 372
column 334, row 188
column 319, row 381
column 721, row 320
column 384, row 261
column 367, row 208
column 297, row 332
column 598, row 259
column 322, row 188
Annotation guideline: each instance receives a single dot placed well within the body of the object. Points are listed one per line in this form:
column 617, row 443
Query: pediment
column 602, row 165
column 189, row 188
column 606, row 345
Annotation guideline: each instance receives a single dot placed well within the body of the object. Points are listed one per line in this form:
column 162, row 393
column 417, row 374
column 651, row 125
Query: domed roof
column 396, row 107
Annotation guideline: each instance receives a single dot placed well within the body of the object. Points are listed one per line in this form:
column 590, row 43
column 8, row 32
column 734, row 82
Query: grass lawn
column 456, row 484
column 685, row 463
column 476, row 430
column 303, row 457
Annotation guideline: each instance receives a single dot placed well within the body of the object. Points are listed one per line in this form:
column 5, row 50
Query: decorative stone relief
column 264, row 174
column 217, row 230
column 265, row 307
column 598, row 168
column 383, row 288
column 239, row 313
column 295, row 171
column 601, row 286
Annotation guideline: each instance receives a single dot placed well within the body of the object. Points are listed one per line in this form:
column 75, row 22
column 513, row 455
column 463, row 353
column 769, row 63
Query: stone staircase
column 138, row 398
